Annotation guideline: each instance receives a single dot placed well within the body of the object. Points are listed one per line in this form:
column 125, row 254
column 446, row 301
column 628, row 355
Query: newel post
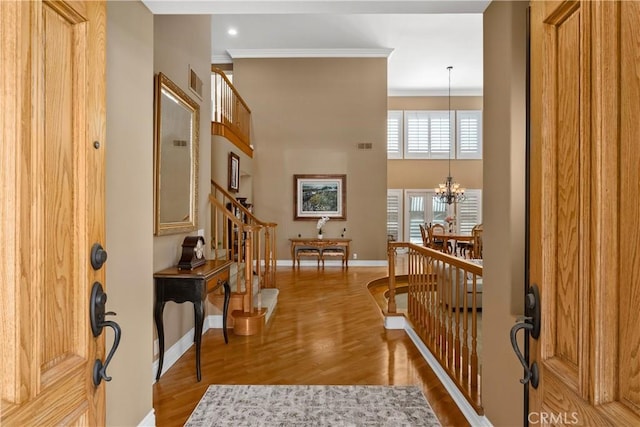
column 391, row 255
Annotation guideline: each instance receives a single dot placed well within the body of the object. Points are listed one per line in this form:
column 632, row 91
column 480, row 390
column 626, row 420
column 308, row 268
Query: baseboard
column 394, row 322
column 149, row 420
column 465, row 407
column 174, row 352
column 171, row 356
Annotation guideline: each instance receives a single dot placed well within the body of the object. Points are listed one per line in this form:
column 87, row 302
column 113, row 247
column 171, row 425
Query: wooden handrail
column 443, row 308
column 231, row 115
column 232, row 225
column 221, row 73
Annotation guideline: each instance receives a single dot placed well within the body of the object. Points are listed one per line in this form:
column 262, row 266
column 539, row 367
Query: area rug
column 312, row 405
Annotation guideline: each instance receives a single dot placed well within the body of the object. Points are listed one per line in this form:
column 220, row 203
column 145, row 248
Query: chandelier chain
column 450, row 192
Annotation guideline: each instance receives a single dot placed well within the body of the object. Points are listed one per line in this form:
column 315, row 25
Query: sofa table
column 173, row 284
column 325, row 247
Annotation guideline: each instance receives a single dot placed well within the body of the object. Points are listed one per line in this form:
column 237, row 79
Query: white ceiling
column 424, row 37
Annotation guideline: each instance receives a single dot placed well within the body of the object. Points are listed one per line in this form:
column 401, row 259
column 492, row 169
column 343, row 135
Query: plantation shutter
column 469, row 144
column 394, row 134
column 470, row 211
column 394, row 215
column 428, row 134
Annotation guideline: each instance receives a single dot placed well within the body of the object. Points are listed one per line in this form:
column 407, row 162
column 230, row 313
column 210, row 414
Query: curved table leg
column 157, row 314
column 199, row 314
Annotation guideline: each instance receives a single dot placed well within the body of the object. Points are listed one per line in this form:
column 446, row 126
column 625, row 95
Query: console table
column 192, row 286
column 338, row 246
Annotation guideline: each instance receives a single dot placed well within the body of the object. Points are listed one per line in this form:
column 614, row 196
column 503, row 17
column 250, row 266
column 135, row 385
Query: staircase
column 250, row 243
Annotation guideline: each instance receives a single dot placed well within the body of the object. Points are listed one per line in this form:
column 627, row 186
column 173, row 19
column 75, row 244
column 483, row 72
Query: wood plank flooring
column 327, row 329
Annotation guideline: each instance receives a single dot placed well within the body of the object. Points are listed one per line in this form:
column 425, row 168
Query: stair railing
column 232, row 225
column 443, row 307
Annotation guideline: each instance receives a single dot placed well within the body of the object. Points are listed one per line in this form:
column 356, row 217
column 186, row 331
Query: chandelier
column 450, row 192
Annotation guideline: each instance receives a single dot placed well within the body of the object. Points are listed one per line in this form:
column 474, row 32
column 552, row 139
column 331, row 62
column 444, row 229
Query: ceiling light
column 232, row 32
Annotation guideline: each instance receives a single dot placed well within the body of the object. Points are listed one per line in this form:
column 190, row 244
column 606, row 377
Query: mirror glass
column 176, row 158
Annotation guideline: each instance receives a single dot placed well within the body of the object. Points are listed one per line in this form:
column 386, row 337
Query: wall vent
column 195, row 83
column 365, row 146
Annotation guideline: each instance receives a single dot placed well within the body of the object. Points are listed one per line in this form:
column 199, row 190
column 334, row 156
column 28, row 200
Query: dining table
column 454, row 238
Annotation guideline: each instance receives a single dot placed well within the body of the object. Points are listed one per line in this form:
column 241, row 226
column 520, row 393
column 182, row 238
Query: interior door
column 52, row 121
column 585, row 233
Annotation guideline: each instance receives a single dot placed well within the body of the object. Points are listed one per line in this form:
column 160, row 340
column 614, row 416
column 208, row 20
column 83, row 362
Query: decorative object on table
column 234, row 172
column 316, row 196
column 451, row 223
column 450, row 192
column 176, row 139
column 192, row 253
column 321, row 222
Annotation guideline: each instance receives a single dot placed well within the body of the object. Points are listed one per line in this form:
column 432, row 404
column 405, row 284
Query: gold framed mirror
column 177, row 124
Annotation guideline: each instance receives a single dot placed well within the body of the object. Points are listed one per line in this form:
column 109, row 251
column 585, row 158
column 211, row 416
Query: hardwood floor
column 327, row 329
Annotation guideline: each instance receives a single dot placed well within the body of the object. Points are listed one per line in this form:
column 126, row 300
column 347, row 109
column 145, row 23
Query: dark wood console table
column 192, row 286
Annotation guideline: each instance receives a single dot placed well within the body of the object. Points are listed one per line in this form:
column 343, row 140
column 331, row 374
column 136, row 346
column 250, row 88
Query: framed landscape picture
column 316, row 196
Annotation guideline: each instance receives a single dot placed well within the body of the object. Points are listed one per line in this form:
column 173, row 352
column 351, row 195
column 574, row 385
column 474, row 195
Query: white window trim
column 428, row 154
column 455, row 150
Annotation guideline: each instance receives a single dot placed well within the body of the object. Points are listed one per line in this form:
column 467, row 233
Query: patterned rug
column 305, row 405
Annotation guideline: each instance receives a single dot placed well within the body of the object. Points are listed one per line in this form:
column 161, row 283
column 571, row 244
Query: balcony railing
column 231, row 115
column 444, row 302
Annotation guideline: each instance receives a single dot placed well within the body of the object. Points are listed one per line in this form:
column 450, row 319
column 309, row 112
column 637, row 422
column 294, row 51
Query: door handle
column 531, row 373
column 530, row 322
column 97, row 316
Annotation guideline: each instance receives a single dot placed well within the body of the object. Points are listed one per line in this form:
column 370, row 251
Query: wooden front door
column 585, row 227
column 52, row 110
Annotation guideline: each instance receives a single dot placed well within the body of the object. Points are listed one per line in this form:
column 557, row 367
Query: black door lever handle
column 97, row 316
column 531, row 374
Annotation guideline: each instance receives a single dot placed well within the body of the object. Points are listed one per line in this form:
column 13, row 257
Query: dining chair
column 433, row 232
column 466, row 247
column 477, row 241
column 425, row 237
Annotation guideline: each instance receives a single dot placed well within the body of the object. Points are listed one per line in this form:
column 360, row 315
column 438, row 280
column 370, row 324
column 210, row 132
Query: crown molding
column 310, row 53
column 435, row 92
column 221, row 59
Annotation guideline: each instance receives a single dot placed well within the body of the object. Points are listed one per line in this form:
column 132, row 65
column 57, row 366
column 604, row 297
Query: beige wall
column 504, row 207
column 423, row 173
column 180, row 41
column 129, row 203
column 308, row 117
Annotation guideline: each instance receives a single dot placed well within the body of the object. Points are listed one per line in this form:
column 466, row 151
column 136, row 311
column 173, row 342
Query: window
column 469, row 211
column 420, row 207
column 394, row 134
column 427, row 134
column 394, row 215
column 469, row 132
column 423, row 134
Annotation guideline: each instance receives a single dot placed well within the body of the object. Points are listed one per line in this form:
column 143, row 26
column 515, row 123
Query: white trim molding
column 149, row 420
column 310, row 53
column 467, row 410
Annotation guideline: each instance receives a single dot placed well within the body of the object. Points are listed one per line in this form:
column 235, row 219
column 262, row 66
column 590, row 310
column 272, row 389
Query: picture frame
column 234, row 172
column 316, row 196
